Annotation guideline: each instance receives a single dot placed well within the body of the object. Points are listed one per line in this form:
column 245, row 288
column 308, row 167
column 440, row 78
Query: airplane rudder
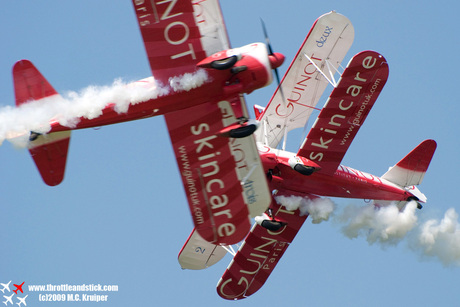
column 420, row 157
column 411, row 169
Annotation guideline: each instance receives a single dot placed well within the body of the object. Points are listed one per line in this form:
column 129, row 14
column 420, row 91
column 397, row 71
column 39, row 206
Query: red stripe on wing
column 171, row 37
column 207, row 168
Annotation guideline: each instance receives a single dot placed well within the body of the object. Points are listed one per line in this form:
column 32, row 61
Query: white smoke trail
column 385, row 225
column 440, row 239
column 388, row 225
column 16, row 123
column 435, row 239
column 189, row 81
column 319, row 209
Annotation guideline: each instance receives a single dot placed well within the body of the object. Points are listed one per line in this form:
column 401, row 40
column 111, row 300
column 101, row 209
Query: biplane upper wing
column 178, row 34
column 345, row 111
column 302, row 86
column 259, row 254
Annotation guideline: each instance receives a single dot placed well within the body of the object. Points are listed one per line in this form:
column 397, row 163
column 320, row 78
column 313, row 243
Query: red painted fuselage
column 255, row 73
column 345, row 182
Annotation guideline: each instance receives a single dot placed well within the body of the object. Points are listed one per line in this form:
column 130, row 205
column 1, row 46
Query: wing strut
column 303, row 84
column 230, row 249
column 331, row 73
column 253, row 168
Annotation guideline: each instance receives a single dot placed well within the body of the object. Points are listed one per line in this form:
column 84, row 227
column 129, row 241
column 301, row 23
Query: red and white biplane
column 315, row 170
column 198, row 85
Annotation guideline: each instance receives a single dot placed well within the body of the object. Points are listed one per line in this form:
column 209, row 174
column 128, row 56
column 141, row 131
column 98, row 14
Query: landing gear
column 270, row 175
column 304, row 170
column 272, row 225
column 240, row 129
column 224, row 63
column 269, row 223
column 303, row 165
column 228, row 63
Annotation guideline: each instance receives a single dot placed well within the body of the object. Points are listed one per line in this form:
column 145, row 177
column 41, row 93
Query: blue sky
column 120, row 216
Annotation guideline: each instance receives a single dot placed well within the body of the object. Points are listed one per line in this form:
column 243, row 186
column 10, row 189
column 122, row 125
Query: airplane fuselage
column 346, row 182
column 153, row 107
column 250, row 72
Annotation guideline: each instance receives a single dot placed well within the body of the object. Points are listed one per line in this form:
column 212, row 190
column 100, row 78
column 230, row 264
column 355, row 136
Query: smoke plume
column 388, row 225
column 319, row 209
column 385, row 225
column 440, row 239
column 17, row 122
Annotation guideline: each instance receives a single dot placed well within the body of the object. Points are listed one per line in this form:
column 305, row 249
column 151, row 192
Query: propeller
column 267, row 39
column 276, row 59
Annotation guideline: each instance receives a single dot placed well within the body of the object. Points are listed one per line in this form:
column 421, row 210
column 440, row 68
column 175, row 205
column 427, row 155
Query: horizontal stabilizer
column 259, row 254
column 199, row 254
column 412, row 168
column 49, row 152
column 29, row 83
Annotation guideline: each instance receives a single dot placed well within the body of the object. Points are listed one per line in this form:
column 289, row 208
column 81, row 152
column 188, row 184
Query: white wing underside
column 305, row 81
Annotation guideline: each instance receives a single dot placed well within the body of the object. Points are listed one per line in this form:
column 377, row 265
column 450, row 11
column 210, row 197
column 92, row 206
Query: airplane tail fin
column 49, row 152
column 412, row 168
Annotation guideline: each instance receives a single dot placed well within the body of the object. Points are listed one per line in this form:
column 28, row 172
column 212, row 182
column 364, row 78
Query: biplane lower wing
column 345, row 111
column 259, row 254
column 303, row 84
column 223, row 177
column 199, row 254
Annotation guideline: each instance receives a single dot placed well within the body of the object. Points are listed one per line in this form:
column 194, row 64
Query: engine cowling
column 249, row 66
